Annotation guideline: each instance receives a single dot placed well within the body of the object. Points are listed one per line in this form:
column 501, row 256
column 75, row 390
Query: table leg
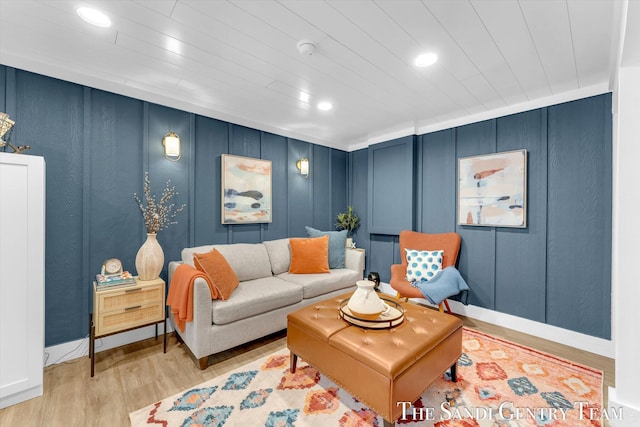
column 293, row 361
column 387, row 423
column 165, row 334
column 454, row 372
column 92, row 347
column 90, row 325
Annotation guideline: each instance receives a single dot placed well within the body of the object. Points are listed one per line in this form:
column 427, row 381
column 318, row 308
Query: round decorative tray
column 384, row 321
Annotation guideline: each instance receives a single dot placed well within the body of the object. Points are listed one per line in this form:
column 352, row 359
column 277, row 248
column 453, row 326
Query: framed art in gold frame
column 246, row 190
column 492, row 189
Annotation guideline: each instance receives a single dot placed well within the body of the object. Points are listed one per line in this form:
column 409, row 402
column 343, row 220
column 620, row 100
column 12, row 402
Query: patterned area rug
column 500, row 384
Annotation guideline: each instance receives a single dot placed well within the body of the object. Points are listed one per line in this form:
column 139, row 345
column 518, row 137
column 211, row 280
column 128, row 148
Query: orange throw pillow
column 215, row 265
column 309, row 255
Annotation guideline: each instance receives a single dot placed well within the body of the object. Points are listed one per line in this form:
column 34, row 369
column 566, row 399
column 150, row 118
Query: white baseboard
column 553, row 333
column 619, row 414
column 80, row 348
column 21, row 396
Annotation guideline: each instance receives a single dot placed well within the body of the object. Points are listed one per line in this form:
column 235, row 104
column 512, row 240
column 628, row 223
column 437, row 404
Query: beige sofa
column 266, row 294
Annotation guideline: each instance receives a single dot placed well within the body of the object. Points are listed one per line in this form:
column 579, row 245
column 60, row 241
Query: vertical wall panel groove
column 86, row 195
column 3, row 90
column 420, row 171
column 229, row 229
column 11, row 94
column 337, row 185
column 358, row 176
column 274, row 148
column 191, row 163
column 546, row 216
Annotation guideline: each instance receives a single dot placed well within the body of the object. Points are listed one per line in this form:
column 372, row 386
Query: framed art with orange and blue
column 492, row 189
column 246, row 190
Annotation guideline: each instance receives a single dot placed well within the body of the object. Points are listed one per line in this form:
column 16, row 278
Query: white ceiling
column 237, row 60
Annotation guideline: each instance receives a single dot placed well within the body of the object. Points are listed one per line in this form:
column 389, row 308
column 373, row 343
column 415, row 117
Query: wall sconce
column 303, row 167
column 171, row 143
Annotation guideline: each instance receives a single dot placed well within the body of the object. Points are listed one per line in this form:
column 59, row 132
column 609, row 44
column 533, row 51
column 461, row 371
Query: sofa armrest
column 172, row 268
column 354, row 260
column 197, row 333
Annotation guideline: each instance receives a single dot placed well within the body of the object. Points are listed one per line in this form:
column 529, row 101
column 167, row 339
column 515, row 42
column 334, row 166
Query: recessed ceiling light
column 325, row 106
column 303, row 96
column 173, row 45
column 94, row 17
column 425, row 59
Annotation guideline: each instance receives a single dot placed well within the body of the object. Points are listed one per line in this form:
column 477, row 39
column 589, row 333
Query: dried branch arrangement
column 158, row 215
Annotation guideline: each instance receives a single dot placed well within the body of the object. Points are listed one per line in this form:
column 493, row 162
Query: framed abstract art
column 246, row 190
column 492, row 190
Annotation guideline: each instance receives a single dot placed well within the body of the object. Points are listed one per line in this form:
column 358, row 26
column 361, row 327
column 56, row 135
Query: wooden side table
column 123, row 309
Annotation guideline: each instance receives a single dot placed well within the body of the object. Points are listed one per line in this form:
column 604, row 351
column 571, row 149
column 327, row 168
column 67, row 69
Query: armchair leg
column 446, row 303
column 441, row 308
column 400, row 297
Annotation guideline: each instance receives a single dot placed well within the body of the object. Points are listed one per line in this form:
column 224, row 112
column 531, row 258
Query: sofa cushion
column 319, row 284
column 279, row 255
column 253, row 297
column 248, row 260
column 309, row 255
column 216, row 267
column 337, row 241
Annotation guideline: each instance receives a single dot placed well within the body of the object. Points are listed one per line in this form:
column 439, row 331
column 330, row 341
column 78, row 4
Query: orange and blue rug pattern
column 500, row 384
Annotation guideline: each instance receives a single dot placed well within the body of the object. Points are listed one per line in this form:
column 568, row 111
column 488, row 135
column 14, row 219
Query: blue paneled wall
column 97, row 146
column 558, row 269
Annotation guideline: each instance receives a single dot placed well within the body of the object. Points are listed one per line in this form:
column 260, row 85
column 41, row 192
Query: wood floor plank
column 133, row 376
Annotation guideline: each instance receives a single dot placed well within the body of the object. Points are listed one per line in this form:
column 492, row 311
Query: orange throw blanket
column 180, row 298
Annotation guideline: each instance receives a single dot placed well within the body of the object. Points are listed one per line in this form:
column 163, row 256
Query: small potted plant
column 348, row 221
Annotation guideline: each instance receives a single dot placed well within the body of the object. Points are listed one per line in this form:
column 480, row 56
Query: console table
column 122, row 309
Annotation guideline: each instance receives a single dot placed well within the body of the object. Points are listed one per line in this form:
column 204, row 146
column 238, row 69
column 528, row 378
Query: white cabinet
column 22, row 221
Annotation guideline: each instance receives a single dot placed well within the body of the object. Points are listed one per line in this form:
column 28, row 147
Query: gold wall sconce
column 303, row 167
column 171, row 143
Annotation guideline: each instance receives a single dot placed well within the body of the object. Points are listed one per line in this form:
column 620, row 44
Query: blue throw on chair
column 447, row 283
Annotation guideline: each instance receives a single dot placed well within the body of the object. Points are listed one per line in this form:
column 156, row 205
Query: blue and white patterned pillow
column 423, row 265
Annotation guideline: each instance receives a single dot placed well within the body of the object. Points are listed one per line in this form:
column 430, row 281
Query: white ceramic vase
column 365, row 302
column 150, row 258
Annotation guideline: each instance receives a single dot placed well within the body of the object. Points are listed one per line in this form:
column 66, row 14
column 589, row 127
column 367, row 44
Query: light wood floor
column 133, row 376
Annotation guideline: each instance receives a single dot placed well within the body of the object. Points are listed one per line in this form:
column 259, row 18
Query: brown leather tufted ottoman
column 380, row 367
